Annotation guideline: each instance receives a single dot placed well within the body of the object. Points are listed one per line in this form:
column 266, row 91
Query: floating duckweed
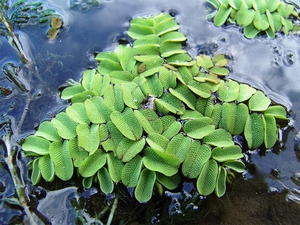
column 150, row 113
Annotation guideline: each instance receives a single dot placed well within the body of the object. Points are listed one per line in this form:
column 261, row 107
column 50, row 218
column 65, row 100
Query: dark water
column 266, row 194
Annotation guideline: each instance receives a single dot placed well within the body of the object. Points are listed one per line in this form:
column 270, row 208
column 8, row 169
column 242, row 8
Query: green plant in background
column 256, row 16
column 150, row 115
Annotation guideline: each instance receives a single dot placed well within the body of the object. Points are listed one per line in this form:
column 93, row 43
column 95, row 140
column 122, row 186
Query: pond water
column 265, row 194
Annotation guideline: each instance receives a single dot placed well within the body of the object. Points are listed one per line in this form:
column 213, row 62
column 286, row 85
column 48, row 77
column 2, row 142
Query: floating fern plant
column 256, row 16
column 151, row 115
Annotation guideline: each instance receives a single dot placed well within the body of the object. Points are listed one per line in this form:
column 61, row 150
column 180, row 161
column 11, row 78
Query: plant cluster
column 256, row 16
column 150, row 114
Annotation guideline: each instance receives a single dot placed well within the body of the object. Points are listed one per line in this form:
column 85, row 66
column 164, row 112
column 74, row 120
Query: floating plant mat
column 151, row 115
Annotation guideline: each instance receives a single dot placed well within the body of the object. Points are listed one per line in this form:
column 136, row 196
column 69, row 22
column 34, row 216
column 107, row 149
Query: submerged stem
column 113, row 209
column 18, row 184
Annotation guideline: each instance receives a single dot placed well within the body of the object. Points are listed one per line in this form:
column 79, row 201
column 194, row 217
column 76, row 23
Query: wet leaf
column 127, row 124
column 222, row 15
column 170, row 103
column 198, row 128
column 92, row 164
column 228, row 91
column 206, row 181
column 48, row 131
column 244, row 16
column 254, row 131
column 63, row 165
column 259, row 102
column 185, row 95
column 245, row 92
column 169, row 48
column 219, row 137
column 105, row 182
column 277, row 111
column 115, row 167
column 167, row 78
column 169, row 182
column 131, row 171
column 77, row 113
column 52, row 33
column 132, row 95
column 36, row 173
column 66, row 127
column 46, row 167
column 88, row 137
column 36, row 145
column 235, row 165
column 220, row 188
column 153, row 86
column 157, row 141
column 173, row 36
column 113, row 97
column 250, row 31
column 165, row 27
column 270, row 130
column 162, row 162
column 128, row 149
column 197, row 156
column 260, row 21
column 179, row 146
column 77, row 154
column 149, row 120
column 56, row 22
column 227, row 153
column 69, row 92
column 144, row 188
column 96, row 110
column 137, row 31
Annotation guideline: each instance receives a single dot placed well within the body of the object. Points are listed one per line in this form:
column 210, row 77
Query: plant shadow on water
column 268, row 193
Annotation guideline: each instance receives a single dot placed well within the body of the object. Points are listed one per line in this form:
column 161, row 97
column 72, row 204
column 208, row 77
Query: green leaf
column 97, row 111
column 92, row 164
column 168, row 102
column 112, row 56
column 180, row 60
column 219, row 137
column 157, row 141
column 77, row 113
column 63, row 165
column 115, row 167
column 245, row 92
column 173, row 36
column 260, row 21
column 285, row 10
column 169, row 48
column 220, row 188
column 48, row 131
column 272, row 5
column 65, row 126
column 132, row 95
column 165, row 27
column 169, row 182
column 35, row 173
column 277, row 111
column 171, row 130
column 162, row 162
column 204, row 61
column 77, row 154
column 179, row 146
column 127, row 124
column 113, row 97
column 200, row 89
column 244, row 16
column 149, row 120
column 250, row 31
column 270, row 130
column 87, row 182
column 228, row 91
column 227, row 153
column 128, row 149
column 119, row 77
column 106, row 184
column 197, row 156
column 206, row 181
column 153, row 86
column 235, row 165
column 151, row 39
column 105, row 67
column 36, row 145
column 254, row 131
column 219, row 71
column 198, row 128
column 167, row 78
column 259, row 102
column 91, row 80
column 137, row 31
column 46, row 167
column 88, row 137
column 69, row 92
column 131, row 171
column 222, row 15
column 127, row 60
column 144, row 188
column 185, row 95
column 260, row 6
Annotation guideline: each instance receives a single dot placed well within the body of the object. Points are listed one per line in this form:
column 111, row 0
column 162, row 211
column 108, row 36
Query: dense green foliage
column 256, row 16
column 150, row 115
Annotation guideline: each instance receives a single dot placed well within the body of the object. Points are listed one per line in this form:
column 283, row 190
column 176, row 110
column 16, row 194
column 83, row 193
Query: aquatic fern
column 256, row 16
column 150, row 113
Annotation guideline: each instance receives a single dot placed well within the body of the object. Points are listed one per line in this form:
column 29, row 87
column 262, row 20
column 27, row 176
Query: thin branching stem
column 113, row 209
